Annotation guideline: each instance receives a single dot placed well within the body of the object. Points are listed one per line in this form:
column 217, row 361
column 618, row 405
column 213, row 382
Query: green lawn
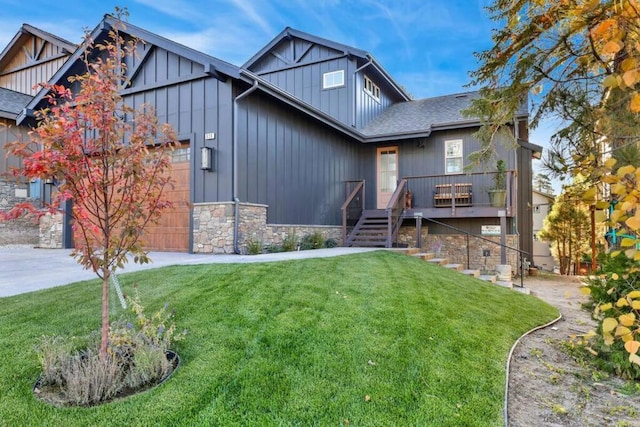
column 293, row 343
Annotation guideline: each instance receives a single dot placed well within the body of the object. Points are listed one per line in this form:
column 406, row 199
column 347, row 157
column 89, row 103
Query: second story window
column 453, row 156
column 333, row 79
column 371, row 88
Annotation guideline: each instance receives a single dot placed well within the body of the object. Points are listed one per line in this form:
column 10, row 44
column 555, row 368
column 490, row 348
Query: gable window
column 333, row 79
column 453, row 156
column 371, row 88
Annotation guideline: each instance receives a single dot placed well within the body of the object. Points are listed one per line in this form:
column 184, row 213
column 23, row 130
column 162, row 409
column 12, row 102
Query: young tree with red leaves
column 112, row 161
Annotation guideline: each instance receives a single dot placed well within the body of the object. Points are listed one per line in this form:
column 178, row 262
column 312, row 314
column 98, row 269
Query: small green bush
column 254, row 247
column 273, row 248
column 330, row 243
column 290, row 243
column 312, row 241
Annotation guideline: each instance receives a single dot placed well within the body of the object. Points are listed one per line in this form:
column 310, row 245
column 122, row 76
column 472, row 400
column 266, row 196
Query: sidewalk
column 25, row 269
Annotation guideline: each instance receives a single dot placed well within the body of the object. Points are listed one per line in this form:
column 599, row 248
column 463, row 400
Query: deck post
column 503, row 236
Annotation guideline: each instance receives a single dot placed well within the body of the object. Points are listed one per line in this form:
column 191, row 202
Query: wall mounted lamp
column 206, row 158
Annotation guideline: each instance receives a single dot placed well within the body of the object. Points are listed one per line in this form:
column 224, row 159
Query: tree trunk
column 105, row 314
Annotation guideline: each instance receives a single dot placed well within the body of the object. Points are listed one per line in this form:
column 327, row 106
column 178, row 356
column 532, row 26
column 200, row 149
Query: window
column 182, row 154
column 371, row 88
column 453, row 156
column 333, row 79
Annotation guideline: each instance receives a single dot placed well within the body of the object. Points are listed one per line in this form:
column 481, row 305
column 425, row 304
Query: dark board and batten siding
column 292, row 163
column 525, row 200
column 305, row 83
column 194, row 107
column 367, row 107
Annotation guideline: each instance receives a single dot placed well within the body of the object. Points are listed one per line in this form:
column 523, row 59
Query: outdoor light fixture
column 206, row 159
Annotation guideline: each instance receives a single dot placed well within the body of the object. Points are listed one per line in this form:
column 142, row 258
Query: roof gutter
column 234, row 190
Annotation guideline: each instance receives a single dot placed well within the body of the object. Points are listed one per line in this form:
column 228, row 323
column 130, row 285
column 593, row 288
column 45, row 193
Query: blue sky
column 426, row 45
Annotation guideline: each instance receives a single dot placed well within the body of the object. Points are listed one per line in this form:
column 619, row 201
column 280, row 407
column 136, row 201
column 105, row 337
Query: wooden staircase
column 371, row 230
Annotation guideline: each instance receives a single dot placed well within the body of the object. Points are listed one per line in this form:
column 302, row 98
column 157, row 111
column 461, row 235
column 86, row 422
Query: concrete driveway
column 25, row 269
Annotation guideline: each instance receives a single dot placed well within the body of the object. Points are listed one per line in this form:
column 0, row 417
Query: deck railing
column 427, row 190
column 353, row 206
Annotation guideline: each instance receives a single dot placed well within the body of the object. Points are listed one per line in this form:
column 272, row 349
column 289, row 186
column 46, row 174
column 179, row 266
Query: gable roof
column 212, row 66
column 23, row 34
column 12, row 103
column 421, row 117
column 289, row 33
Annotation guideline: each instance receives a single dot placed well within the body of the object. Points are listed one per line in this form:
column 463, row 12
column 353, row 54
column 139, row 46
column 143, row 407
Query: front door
column 387, row 172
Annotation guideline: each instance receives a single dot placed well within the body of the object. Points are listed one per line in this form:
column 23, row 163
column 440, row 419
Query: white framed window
column 371, row 88
column 453, row 156
column 333, row 79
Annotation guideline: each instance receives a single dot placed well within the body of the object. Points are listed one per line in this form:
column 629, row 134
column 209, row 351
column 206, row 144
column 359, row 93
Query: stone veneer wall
column 213, row 228
column 18, row 231
column 454, row 247
column 51, row 231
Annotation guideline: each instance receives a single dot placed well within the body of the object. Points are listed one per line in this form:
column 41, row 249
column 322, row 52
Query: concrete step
column 457, row 267
column 438, row 261
column 488, row 277
column 424, row 255
column 504, row 284
column 406, row 251
column 472, row 273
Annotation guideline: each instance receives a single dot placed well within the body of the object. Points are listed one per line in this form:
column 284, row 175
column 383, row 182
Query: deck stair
column 371, row 230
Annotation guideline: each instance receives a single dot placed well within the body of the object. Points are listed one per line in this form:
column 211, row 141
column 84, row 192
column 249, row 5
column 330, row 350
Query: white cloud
column 232, row 45
column 248, row 8
column 180, row 9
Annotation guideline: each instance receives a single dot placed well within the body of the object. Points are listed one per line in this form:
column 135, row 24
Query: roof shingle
column 422, row 115
column 12, row 103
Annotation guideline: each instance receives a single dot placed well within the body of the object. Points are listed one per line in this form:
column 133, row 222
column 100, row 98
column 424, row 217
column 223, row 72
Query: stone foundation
column 213, row 225
column 454, row 247
column 407, row 235
column 51, row 226
column 22, row 231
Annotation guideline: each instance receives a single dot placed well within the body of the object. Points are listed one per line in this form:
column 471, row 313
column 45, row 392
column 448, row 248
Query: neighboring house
column 541, row 206
column 302, row 125
column 31, row 57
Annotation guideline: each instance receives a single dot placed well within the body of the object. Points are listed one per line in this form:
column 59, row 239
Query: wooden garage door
column 172, row 232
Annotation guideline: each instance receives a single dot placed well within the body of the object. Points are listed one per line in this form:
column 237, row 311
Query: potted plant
column 498, row 194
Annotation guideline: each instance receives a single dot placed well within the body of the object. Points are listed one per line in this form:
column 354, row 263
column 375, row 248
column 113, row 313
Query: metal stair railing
column 521, row 253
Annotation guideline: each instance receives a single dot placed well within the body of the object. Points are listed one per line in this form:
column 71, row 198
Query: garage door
column 172, row 232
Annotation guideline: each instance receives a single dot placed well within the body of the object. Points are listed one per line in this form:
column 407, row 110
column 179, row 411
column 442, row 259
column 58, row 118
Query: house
column 307, row 133
column 31, row 57
column 541, row 206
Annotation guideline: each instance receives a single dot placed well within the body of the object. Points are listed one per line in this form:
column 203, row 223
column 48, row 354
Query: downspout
column 236, row 200
column 355, row 103
column 516, row 132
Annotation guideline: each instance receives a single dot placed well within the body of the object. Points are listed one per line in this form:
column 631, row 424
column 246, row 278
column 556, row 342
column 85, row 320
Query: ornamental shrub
column 74, row 373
